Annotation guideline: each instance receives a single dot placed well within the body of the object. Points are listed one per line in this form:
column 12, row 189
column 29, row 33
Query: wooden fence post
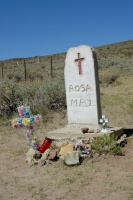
column 24, row 70
column 2, row 69
column 51, row 73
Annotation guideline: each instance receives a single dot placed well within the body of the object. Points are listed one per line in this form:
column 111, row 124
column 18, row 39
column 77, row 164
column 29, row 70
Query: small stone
column 65, row 149
column 122, row 139
column 48, row 162
column 30, row 155
column 84, row 130
column 53, row 145
column 32, row 161
column 71, row 158
column 52, row 155
column 37, row 156
column 62, row 158
column 61, row 144
column 45, row 155
column 31, row 152
column 41, row 162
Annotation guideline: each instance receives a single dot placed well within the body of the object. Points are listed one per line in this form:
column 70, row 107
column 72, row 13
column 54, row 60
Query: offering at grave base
column 84, row 130
column 46, row 144
column 104, row 122
column 26, row 120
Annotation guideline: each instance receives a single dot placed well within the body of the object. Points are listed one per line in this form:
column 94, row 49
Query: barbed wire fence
column 31, row 68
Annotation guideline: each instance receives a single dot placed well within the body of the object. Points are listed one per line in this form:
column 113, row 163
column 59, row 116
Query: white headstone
column 82, row 86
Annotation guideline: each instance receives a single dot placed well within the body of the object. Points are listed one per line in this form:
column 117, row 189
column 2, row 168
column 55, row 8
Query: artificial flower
column 21, row 125
column 32, row 119
column 21, row 109
column 14, row 122
column 36, row 145
column 28, row 135
column 26, row 121
column 15, row 126
column 27, row 114
column 38, row 118
column 34, row 139
column 31, row 127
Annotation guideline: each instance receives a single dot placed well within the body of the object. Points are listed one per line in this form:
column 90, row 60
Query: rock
column 52, row 155
column 84, row 130
column 32, row 157
column 48, row 162
column 53, row 145
column 61, row 144
column 122, row 139
column 65, row 149
column 45, row 154
column 62, row 158
column 31, row 161
column 37, row 156
column 71, row 158
column 32, row 153
column 41, row 162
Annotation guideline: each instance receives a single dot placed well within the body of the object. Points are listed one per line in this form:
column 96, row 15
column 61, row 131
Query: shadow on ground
column 128, row 132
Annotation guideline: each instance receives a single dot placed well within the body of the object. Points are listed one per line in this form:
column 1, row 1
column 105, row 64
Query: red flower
column 31, row 127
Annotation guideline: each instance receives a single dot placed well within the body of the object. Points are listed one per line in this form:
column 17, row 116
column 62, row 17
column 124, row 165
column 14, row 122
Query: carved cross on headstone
column 79, row 63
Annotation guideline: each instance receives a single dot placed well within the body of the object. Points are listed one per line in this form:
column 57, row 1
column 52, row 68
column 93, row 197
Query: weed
column 106, row 144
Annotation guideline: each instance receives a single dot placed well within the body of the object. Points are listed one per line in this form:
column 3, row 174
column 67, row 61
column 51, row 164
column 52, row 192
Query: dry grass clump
column 117, row 102
column 40, row 96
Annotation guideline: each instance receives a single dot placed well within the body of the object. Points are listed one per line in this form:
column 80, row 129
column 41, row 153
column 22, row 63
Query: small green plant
column 106, row 144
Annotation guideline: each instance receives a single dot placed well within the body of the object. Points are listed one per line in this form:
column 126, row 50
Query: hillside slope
column 118, row 56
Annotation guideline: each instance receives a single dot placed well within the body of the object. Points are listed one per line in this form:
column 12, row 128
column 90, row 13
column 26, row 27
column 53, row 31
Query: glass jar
column 46, row 144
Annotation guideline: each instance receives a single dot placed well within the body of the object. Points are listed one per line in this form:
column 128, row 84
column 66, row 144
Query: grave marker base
column 74, row 131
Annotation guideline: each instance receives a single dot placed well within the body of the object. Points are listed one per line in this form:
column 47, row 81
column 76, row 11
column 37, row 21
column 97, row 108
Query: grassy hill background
column 45, row 82
column 118, row 57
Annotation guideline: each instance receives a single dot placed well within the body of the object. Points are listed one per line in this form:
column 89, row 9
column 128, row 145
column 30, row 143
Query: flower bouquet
column 26, row 120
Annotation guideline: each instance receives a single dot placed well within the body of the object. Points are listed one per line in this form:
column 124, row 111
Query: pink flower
column 21, row 109
column 28, row 135
column 38, row 118
column 21, row 114
column 21, row 125
column 36, row 145
column 91, row 139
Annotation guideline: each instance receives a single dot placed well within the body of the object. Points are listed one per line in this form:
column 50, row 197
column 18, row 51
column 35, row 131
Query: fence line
column 24, row 70
column 19, row 68
column 2, row 71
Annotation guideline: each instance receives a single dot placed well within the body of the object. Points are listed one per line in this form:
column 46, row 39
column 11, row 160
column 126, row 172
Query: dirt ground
column 102, row 178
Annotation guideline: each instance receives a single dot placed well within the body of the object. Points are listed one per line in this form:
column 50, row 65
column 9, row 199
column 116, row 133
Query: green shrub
column 106, row 144
column 40, row 96
column 7, row 97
